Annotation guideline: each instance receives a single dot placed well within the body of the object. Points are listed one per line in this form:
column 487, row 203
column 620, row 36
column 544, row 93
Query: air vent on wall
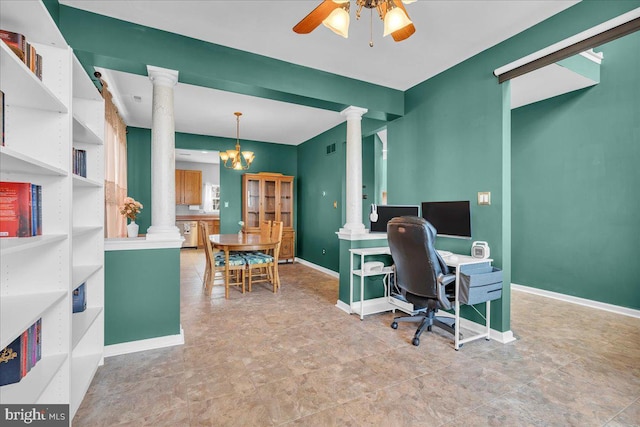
column 331, row 148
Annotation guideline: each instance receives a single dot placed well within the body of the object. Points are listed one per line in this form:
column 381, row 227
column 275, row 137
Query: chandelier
column 236, row 159
column 334, row 14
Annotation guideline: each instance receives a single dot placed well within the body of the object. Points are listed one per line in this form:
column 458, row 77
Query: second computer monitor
column 387, row 212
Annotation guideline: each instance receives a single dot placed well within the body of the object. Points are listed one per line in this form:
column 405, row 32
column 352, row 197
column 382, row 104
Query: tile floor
column 293, row 358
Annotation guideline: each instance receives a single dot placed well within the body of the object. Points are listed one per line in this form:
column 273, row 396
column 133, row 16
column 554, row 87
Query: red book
column 15, row 209
column 15, row 41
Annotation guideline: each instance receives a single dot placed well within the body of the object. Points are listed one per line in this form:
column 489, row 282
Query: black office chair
column 421, row 275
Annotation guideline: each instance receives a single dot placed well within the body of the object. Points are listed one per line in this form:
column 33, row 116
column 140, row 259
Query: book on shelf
column 80, row 162
column 2, row 117
column 80, row 298
column 25, row 51
column 20, row 209
column 19, row 357
column 16, row 42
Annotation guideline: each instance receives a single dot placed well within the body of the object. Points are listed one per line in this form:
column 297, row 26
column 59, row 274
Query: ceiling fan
column 334, row 14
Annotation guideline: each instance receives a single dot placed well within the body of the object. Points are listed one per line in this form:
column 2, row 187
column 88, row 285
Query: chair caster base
column 394, row 325
column 416, row 341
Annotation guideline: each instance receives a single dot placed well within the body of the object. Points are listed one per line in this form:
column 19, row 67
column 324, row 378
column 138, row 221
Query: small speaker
column 480, row 250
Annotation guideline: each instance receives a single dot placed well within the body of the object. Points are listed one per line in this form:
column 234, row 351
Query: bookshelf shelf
column 29, row 389
column 83, row 369
column 83, row 133
column 10, row 245
column 81, row 231
column 13, row 161
column 44, row 119
column 81, row 273
column 80, row 181
column 82, row 322
column 27, row 90
column 18, row 312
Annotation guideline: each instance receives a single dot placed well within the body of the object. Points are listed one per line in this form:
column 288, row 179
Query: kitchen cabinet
column 188, row 187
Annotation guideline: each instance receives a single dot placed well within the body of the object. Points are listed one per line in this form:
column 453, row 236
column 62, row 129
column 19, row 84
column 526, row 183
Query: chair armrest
column 446, row 279
column 443, row 281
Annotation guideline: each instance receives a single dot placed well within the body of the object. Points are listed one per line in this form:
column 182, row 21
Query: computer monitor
column 451, row 219
column 387, row 212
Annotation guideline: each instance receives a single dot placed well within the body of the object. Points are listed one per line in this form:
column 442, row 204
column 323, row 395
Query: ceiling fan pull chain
column 371, row 28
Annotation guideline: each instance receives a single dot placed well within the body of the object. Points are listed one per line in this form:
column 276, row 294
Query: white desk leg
column 488, row 314
column 350, row 283
column 457, row 313
column 362, row 287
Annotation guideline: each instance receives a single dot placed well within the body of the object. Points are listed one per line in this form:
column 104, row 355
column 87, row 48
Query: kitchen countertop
column 197, row 217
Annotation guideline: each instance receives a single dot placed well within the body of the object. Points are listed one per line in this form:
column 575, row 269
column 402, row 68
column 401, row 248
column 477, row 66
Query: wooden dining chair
column 261, row 265
column 276, row 234
column 216, row 263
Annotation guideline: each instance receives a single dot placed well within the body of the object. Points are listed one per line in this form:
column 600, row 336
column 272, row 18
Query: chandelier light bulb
column 338, row 22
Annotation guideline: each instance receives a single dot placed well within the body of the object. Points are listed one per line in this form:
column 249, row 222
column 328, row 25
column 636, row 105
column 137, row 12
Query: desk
column 362, row 253
column 244, row 242
column 455, row 261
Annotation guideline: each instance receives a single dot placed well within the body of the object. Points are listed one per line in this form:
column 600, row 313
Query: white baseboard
column 143, row 345
column 577, row 300
column 319, row 268
column 343, row 306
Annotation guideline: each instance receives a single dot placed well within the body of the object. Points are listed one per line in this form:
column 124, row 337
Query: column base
column 352, row 229
column 163, row 232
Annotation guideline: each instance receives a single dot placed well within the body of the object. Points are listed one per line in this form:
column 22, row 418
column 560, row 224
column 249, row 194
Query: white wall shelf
column 82, row 372
column 19, row 312
column 16, row 244
column 13, row 161
column 82, row 272
column 80, row 231
column 27, row 91
column 80, row 181
column 44, row 120
column 82, row 322
column 83, row 133
column 29, row 389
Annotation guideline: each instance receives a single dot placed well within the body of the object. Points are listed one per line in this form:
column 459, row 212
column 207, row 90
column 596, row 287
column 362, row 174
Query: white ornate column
column 163, row 156
column 354, row 223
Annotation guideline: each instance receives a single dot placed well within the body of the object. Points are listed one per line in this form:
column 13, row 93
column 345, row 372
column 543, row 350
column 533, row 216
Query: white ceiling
column 447, row 32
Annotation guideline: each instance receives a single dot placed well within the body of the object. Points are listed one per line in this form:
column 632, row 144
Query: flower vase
column 132, row 229
column 240, row 235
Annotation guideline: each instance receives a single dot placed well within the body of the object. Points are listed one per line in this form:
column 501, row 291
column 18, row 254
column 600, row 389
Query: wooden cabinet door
column 192, row 187
column 251, row 201
column 179, row 186
column 287, row 247
column 270, row 199
column 285, row 202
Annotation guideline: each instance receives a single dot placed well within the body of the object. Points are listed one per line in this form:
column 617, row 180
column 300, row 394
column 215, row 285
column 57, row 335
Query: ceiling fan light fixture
column 338, row 22
column 224, row 156
column 395, row 19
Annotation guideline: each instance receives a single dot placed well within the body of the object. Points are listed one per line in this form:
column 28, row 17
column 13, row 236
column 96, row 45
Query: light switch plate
column 484, row 197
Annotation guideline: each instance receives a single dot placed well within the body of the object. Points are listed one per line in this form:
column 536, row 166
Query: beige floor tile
column 293, row 358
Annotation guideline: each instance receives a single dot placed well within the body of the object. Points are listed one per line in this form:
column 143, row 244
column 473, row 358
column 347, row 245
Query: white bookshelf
column 44, row 121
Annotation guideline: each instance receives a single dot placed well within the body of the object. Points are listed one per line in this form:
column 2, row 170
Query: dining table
column 242, row 242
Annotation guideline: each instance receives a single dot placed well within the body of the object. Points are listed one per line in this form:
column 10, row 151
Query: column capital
column 162, row 76
column 352, row 112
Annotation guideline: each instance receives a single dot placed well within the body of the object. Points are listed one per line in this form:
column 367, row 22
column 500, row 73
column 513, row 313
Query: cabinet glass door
column 286, row 203
column 253, row 203
column 270, row 199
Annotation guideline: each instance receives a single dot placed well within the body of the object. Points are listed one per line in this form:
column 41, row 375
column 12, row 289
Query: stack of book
column 20, row 209
column 17, row 359
column 24, row 50
column 2, row 117
column 80, row 162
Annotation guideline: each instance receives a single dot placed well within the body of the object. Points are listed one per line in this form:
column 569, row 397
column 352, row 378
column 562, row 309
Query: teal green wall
column 269, row 158
column 380, row 170
column 318, row 220
column 125, row 46
column 368, row 176
column 576, row 176
column 142, row 294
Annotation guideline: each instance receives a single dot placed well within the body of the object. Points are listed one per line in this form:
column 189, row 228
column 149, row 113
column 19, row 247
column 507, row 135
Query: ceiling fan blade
column 315, row 18
column 404, row 32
